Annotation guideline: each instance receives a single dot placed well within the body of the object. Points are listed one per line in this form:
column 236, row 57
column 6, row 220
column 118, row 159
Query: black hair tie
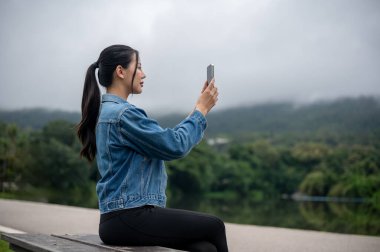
column 96, row 64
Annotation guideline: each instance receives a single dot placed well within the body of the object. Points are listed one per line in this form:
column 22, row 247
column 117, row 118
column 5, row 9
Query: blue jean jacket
column 131, row 149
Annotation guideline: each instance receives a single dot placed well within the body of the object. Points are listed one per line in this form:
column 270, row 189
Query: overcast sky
column 263, row 51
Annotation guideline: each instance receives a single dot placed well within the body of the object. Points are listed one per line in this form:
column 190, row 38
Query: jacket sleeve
column 144, row 135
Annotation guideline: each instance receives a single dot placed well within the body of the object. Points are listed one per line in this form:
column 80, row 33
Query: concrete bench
column 65, row 243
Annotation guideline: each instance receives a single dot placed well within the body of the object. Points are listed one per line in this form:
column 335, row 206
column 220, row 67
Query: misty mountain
column 354, row 115
column 36, row 118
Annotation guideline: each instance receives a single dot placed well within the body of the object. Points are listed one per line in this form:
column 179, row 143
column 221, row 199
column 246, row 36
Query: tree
column 194, row 173
column 13, row 144
column 56, row 169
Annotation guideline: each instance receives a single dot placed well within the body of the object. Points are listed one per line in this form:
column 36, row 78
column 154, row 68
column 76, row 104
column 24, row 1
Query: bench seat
column 68, row 242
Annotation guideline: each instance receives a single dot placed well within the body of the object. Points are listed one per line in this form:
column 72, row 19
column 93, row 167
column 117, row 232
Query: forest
column 278, row 150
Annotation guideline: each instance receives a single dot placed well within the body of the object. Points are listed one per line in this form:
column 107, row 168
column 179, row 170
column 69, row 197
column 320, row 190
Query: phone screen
column 210, row 73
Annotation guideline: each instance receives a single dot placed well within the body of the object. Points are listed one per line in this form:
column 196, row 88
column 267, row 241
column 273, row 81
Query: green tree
column 56, row 170
column 13, row 155
column 233, row 178
column 194, row 173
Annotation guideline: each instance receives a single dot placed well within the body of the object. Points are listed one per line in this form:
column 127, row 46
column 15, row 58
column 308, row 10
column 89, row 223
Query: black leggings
column 157, row 226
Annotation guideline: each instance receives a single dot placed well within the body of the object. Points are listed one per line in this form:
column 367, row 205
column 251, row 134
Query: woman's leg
column 155, row 226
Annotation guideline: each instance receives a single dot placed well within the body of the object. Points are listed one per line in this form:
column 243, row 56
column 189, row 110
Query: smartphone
column 210, row 73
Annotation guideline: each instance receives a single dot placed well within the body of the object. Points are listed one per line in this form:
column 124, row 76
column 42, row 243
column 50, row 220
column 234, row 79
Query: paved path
column 32, row 217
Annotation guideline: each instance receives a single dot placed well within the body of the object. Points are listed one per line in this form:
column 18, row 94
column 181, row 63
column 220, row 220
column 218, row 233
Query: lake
column 349, row 218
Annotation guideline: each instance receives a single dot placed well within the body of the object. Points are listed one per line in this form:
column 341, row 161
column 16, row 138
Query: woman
column 130, row 150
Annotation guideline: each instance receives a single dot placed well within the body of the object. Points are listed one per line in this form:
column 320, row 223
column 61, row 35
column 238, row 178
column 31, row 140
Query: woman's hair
column 109, row 59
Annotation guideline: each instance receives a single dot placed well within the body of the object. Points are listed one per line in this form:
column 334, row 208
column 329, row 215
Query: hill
column 346, row 115
column 36, row 118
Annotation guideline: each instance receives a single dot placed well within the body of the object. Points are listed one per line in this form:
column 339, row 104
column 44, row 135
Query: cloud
column 262, row 50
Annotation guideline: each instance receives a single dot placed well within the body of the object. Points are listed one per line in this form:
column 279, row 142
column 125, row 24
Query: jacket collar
column 113, row 98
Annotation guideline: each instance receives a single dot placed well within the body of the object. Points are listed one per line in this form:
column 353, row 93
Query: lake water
column 349, row 218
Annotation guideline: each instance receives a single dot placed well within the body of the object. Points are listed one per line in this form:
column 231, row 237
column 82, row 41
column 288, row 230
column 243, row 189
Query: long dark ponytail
column 109, row 59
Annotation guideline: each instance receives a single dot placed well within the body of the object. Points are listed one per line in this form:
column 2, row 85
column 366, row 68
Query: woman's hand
column 208, row 98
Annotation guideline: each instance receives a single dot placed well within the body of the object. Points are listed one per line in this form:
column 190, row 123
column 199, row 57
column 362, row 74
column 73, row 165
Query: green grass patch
column 4, row 246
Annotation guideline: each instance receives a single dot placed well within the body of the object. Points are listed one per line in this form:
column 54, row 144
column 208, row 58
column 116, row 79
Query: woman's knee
column 217, row 224
column 202, row 246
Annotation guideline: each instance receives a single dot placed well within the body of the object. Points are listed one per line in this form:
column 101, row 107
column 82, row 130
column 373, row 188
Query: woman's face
column 138, row 82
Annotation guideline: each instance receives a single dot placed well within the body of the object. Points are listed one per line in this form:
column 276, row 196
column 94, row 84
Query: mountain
column 347, row 115
column 354, row 115
column 36, row 118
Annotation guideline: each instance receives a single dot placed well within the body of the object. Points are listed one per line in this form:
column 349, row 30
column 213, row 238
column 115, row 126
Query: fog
column 263, row 51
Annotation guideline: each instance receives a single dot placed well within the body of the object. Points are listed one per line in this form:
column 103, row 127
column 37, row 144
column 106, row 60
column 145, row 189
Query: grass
column 4, row 246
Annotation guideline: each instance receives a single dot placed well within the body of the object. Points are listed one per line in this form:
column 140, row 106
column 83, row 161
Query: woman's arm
column 144, row 134
column 147, row 137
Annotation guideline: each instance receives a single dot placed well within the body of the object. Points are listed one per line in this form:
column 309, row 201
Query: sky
column 263, row 51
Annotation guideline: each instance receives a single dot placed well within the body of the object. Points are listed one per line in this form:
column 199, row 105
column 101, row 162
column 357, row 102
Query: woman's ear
column 120, row 72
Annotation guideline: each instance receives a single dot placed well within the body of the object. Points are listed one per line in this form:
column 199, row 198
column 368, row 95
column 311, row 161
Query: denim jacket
column 131, row 149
